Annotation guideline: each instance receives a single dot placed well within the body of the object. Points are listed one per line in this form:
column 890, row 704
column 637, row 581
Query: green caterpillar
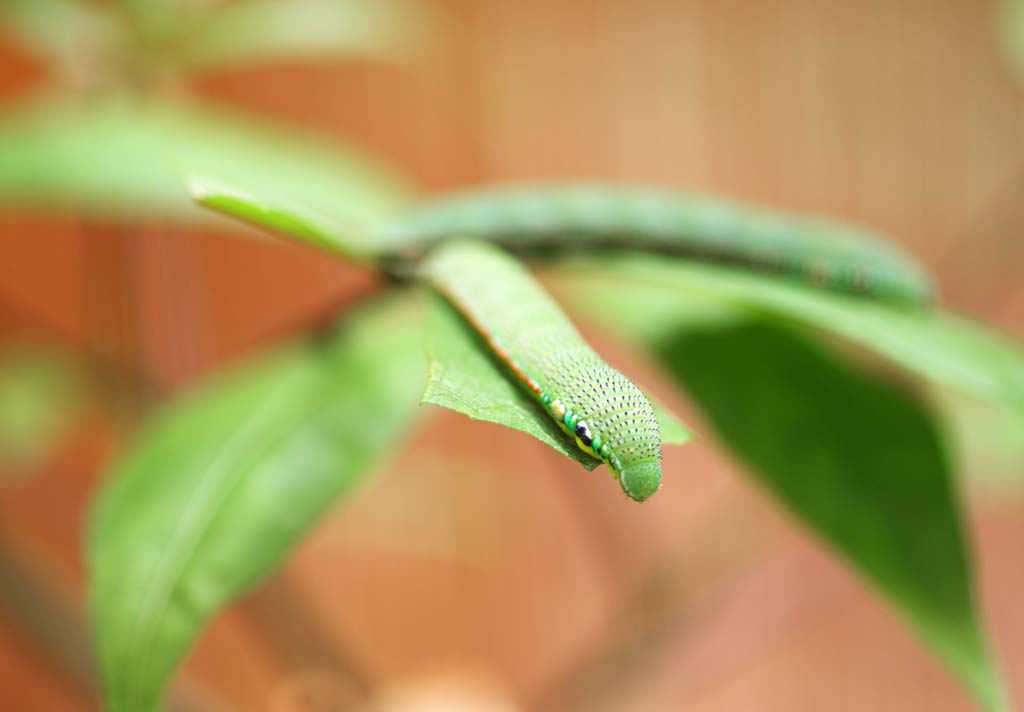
column 601, row 409
column 824, row 253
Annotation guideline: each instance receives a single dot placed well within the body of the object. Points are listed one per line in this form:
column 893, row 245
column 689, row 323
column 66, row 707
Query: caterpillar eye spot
column 583, row 433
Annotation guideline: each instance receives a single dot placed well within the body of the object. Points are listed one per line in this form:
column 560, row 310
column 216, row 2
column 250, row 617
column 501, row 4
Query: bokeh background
column 479, row 568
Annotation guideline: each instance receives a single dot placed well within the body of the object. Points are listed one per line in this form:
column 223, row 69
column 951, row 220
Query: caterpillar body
column 822, row 252
column 603, row 411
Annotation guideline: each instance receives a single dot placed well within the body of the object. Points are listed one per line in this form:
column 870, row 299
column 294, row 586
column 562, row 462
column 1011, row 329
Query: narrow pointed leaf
column 293, row 219
column 213, row 496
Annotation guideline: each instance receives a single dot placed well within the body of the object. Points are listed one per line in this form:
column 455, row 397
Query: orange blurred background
column 510, row 579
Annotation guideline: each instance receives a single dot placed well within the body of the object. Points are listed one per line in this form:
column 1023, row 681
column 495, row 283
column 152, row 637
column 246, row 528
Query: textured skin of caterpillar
column 817, row 251
column 602, row 410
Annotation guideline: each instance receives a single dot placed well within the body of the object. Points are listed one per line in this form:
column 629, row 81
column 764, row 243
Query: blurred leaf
column 69, row 30
column 123, row 158
column 154, row 21
column 464, row 377
column 40, row 390
column 214, row 495
column 856, row 459
column 267, row 30
column 645, row 297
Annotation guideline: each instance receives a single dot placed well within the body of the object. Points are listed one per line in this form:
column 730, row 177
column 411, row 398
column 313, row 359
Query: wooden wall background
column 505, row 591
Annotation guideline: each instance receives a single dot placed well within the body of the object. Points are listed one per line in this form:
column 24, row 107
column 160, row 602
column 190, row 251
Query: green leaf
column 644, row 297
column 293, row 219
column 855, row 458
column 214, row 495
column 40, row 391
column 119, row 157
column 265, row 30
column 466, row 378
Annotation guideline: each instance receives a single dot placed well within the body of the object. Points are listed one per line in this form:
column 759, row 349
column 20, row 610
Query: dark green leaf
column 213, row 496
column 855, row 458
column 464, row 377
column 123, row 158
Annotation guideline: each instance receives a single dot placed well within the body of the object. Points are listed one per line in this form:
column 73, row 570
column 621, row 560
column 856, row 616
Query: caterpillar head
column 640, row 480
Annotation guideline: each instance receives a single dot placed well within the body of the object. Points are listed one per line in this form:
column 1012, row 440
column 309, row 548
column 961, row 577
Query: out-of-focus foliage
column 267, row 30
column 138, row 42
column 76, row 36
column 856, row 459
column 124, row 157
column 117, row 152
column 217, row 491
column 40, row 393
column 465, row 378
